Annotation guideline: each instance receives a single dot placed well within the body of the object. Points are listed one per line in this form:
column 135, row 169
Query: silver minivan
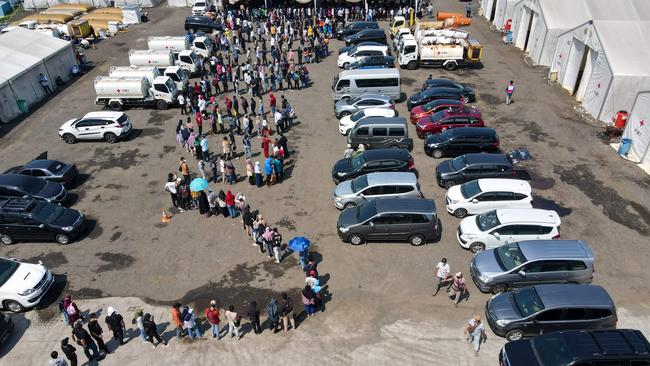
column 352, row 83
column 381, row 133
column 371, row 186
column 532, row 262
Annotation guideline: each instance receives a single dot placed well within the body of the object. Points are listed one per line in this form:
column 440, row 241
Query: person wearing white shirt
column 442, row 274
column 475, row 332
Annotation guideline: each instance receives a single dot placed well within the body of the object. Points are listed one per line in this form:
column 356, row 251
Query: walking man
column 97, row 333
column 69, row 351
column 442, row 274
column 458, row 288
column 82, row 337
column 510, row 89
column 475, row 331
column 115, row 323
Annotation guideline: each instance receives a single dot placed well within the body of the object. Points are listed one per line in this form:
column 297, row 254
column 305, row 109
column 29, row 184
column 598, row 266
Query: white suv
column 346, row 123
column 200, row 7
column 483, row 195
column 22, row 285
column 495, row 228
column 109, row 126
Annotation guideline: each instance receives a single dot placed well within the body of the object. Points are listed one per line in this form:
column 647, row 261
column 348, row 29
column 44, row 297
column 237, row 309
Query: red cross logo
column 641, row 122
column 118, row 90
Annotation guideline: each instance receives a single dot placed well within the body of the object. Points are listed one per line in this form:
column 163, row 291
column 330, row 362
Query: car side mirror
column 25, row 197
column 362, row 195
column 41, row 226
column 496, row 235
column 372, row 224
column 474, row 200
column 522, row 273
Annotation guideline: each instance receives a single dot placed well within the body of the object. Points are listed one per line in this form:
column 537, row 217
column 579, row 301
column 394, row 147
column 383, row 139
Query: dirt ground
column 128, row 252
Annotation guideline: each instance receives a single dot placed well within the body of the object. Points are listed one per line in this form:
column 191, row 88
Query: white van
column 352, row 83
column 359, row 52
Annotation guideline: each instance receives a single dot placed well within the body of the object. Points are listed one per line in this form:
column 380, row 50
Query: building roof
column 28, row 48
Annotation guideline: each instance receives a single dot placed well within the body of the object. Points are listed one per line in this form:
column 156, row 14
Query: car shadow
column 55, row 292
column 21, row 324
column 81, row 179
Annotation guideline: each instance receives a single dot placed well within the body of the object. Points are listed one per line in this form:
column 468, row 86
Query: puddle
column 547, row 204
column 116, row 261
column 287, row 223
column 87, row 293
column 492, row 99
column 535, row 131
column 627, row 213
column 107, row 158
column 152, row 131
column 168, row 149
column 116, row 235
column 50, row 260
column 539, row 182
column 408, row 81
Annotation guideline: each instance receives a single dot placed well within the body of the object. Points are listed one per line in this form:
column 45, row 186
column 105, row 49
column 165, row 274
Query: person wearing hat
column 475, row 331
column 442, row 275
column 212, row 314
column 115, row 323
column 137, row 320
column 458, row 288
column 69, row 351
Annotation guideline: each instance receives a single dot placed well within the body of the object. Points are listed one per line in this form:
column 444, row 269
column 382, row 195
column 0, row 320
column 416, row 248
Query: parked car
column 374, row 186
column 370, row 43
column 346, row 123
column 347, row 107
column 497, row 227
column 360, row 52
column 433, row 107
column 377, row 160
column 539, row 309
column 468, row 92
column 448, row 119
column 31, row 220
column 22, row 285
column 46, row 169
column 392, row 219
column 483, row 195
column 354, row 27
column 108, row 126
column 24, row 186
column 380, row 133
column 203, row 23
column 200, row 7
column 614, row 347
column 6, row 327
column 375, row 35
column 533, row 262
column 474, row 166
column 461, row 140
column 373, row 62
column 432, row 94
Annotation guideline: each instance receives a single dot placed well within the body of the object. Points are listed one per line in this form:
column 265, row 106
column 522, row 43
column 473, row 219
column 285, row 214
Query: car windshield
column 459, row 163
column 357, row 116
column 353, row 100
column 7, row 269
column 436, row 117
column 359, row 184
column 35, row 186
column 487, row 221
column 366, row 211
column 510, row 256
column 470, row 189
column 357, row 161
column 552, row 350
column 352, row 50
column 46, row 212
column 528, row 302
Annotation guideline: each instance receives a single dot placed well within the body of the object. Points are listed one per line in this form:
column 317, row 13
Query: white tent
column 504, row 11
column 489, row 9
column 604, row 63
column 638, row 129
column 33, row 53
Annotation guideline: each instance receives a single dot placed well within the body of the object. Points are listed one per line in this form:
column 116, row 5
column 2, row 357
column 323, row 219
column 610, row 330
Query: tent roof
column 28, row 48
column 618, row 38
column 563, row 14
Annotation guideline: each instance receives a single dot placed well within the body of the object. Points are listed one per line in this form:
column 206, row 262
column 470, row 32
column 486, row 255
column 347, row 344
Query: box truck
column 118, row 93
column 163, row 59
column 177, row 74
column 201, row 45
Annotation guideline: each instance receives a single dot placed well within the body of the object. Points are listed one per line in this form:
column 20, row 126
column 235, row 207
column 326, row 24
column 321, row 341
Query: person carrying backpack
column 71, row 310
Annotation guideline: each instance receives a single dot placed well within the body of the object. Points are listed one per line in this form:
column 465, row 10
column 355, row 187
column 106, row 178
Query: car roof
column 370, row 30
column 442, row 90
column 610, row 342
column 374, row 96
column 501, row 184
column 439, row 102
column 41, row 163
column 377, row 111
column 564, row 249
column 405, row 205
column 472, row 131
column 380, row 120
column 563, row 295
column 381, row 178
column 487, row 159
column 466, row 111
column 377, row 154
column 363, row 22
column 16, row 205
column 392, row 72
column 104, row 114
column 528, row 215
column 16, row 180
column 372, row 47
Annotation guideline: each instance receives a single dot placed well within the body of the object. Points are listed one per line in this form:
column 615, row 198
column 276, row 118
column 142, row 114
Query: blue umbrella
column 299, row 244
column 198, row 185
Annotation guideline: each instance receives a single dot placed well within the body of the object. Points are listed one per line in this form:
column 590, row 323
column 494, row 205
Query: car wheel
column 110, row 138
column 514, row 335
column 7, row 240
column 450, row 66
column 349, row 205
column 437, row 153
column 460, row 213
column 345, row 65
column 417, row 240
column 161, row 104
column 356, row 239
column 477, row 247
column 412, row 65
column 448, row 184
column 497, row 289
column 13, row 306
column 115, row 106
column 63, row 239
column 345, row 114
column 69, row 138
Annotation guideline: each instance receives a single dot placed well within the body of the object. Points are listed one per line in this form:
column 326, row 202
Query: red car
column 448, row 118
column 433, row 107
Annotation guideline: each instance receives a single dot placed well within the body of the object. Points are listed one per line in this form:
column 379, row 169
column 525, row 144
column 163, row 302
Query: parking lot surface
column 381, row 308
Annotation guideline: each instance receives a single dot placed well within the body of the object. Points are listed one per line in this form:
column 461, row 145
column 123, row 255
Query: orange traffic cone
column 165, row 218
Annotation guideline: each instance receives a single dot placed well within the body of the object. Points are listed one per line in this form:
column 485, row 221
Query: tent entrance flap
column 524, row 28
column 584, row 74
column 574, row 65
column 529, row 29
column 581, row 74
column 493, row 11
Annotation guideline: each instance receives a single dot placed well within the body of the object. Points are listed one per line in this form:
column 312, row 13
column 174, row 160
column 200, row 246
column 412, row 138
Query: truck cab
column 189, row 61
column 203, row 46
column 164, row 88
column 398, row 22
column 179, row 76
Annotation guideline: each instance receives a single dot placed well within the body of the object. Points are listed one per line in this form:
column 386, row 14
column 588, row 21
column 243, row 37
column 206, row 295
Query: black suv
column 377, row 160
column 462, row 140
column 354, row 27
column 33, row 220
column 196, row 23
column 580, row 348
column 375, row 35
column 474, row 166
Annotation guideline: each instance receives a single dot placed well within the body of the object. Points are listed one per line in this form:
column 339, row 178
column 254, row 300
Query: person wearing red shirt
column 212, row 314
